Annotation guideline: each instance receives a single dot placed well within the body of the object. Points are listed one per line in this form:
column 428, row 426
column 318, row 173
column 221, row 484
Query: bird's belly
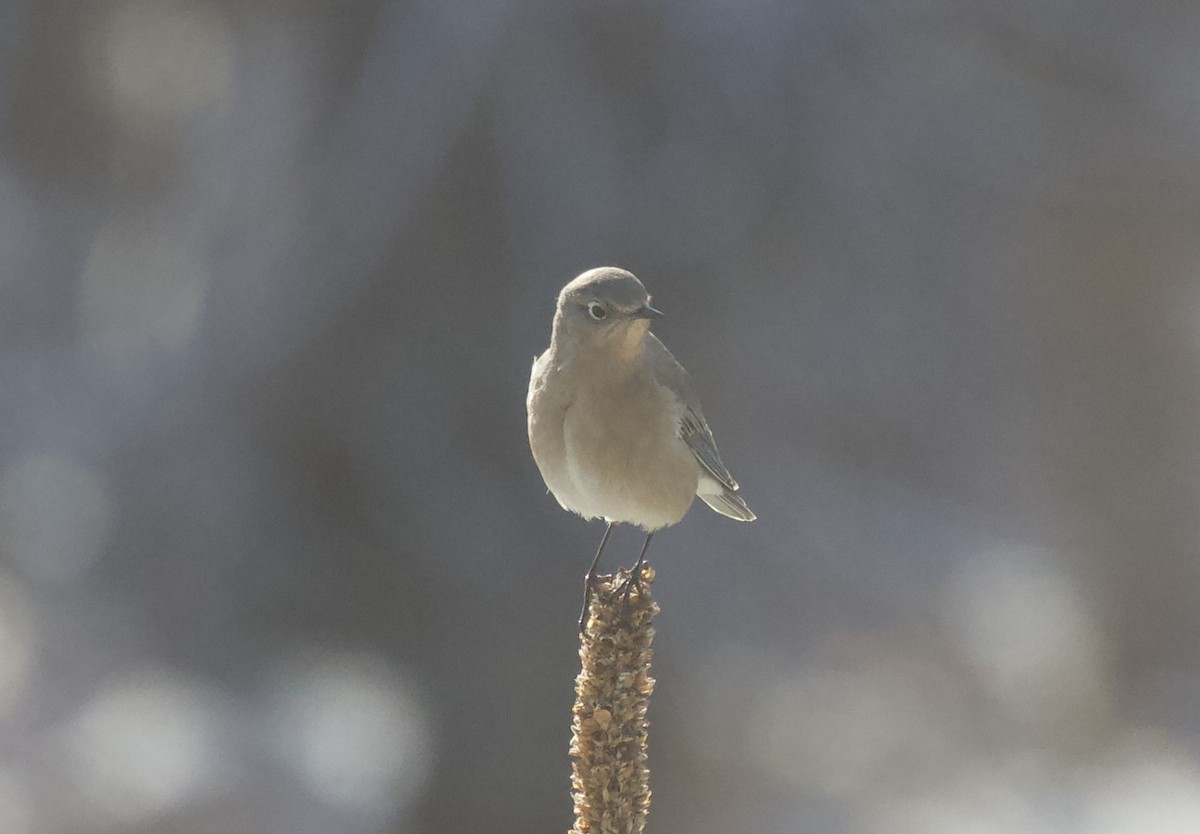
column 626, row 463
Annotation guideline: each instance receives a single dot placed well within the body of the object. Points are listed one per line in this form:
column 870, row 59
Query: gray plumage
column 614, row 423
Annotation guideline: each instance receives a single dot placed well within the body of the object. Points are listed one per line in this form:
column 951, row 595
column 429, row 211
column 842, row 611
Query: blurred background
column 274, row 555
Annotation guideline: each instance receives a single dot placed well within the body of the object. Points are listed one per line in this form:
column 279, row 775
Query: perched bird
column 614, row 423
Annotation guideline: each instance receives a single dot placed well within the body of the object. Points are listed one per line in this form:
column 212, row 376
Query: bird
column 615, row 425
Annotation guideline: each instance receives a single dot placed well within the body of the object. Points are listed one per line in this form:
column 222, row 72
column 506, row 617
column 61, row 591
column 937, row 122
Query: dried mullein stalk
column 608, row 744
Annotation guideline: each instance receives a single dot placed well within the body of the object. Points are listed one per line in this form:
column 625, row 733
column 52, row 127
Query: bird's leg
column 635, row 574
column 589, row 581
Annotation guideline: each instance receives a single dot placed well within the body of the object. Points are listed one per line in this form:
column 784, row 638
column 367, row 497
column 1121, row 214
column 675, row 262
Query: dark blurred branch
column 609, row 733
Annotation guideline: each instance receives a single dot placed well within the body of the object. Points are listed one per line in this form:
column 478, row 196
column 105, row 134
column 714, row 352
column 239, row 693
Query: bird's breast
column 624, row 456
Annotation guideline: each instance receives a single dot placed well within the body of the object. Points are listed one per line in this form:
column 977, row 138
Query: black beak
column 648, row 312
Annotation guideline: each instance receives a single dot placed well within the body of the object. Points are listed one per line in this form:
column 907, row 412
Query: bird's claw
column 633, row 580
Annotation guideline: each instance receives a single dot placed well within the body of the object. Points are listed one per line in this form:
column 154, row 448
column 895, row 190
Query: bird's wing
column 699, row 437
column 693, row 428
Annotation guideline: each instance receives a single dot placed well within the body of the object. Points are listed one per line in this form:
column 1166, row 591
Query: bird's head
column 604, row 308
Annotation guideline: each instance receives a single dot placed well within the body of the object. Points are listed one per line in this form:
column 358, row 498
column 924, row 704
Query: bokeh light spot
column 167, row 60
column 16, row 804
column 145, row 744
column 355, row 729
column 1032, row 642
column 971, row 802
column 1155, row 791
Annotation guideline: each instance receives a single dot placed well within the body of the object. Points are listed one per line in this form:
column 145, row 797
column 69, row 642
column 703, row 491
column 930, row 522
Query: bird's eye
column 596, row 310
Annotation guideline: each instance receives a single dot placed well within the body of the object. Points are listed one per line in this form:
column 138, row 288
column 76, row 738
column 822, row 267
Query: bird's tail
column 728, row 503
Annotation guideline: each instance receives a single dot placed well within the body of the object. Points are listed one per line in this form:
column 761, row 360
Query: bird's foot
column 633, row 580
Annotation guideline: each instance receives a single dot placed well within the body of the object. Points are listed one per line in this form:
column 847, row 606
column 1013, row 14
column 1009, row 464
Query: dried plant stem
column 609, row 732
